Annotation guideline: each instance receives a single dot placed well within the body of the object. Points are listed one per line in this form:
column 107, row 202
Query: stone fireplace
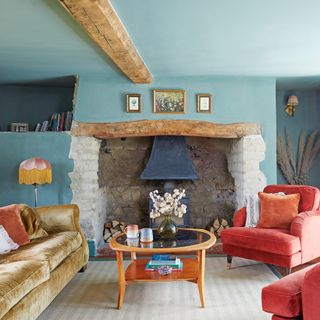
column 108, row 159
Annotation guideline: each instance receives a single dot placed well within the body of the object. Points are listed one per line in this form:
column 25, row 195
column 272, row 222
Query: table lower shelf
column 136, row 272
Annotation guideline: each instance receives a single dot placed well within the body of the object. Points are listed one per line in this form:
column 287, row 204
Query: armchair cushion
column 10, row 219
column 283, row 297
column 52, row 249
column 278, row 211
column 278, row 241
column 239, row 218
column 310, row 196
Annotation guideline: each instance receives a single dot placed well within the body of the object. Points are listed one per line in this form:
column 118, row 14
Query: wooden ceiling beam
column 103, row 25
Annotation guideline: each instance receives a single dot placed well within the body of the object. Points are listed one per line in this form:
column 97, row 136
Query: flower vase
column 167, row 229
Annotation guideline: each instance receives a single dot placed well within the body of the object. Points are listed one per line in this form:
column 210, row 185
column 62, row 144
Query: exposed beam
column 103, row 25
column 143, row 128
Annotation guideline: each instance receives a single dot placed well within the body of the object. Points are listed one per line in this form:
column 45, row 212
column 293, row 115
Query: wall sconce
column 292, row 103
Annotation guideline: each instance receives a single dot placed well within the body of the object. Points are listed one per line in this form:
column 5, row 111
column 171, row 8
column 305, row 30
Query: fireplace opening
column 122, row 161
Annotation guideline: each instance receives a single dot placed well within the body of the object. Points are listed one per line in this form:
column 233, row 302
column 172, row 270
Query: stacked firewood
column 112, row 228
column 217, row 226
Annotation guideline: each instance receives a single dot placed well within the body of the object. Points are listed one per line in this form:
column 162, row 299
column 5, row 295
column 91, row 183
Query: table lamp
column 35, row 171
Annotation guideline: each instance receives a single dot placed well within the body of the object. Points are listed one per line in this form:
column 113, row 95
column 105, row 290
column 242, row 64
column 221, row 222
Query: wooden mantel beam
column 103, row 25
column 144, row 128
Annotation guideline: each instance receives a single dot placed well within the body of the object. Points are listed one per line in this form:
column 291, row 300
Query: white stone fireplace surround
column 247, row 151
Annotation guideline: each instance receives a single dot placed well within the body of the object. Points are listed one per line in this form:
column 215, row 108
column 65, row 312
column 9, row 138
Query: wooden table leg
column 202, row 259
column 133, row 256
column 121, row 279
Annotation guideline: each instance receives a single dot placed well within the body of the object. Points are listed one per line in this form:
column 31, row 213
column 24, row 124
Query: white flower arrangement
column 169, row 204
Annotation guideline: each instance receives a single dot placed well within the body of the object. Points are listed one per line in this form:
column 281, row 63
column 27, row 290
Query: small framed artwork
column 169, row 101
column 204, row 103
column 133, row 102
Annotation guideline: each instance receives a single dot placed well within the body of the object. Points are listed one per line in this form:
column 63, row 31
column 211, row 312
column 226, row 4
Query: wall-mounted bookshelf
column 44, row 105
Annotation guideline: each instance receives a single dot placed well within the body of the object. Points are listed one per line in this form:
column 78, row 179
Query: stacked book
column 159, row 260
column 57, row 122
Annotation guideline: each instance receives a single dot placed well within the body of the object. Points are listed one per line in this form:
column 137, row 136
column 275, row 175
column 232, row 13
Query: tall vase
column 167, row 228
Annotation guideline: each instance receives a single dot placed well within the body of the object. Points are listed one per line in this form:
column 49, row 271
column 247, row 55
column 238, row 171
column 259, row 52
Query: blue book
column 150, row 267
column 161, row 257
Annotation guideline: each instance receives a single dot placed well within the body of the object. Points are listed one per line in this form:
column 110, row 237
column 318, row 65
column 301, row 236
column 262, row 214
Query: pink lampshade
column 35, row 170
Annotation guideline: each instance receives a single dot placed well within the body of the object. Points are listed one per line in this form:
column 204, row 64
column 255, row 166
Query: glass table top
column 184, row 238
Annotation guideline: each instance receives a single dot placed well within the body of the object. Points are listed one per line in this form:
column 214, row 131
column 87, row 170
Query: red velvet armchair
column 295, row 296
column 281, row 247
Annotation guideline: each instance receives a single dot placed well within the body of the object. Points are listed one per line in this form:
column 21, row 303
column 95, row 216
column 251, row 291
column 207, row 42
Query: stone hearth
column 105, row 180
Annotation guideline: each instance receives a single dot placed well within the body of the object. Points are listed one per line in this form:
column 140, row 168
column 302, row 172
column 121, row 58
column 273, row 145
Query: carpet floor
column 230, row 295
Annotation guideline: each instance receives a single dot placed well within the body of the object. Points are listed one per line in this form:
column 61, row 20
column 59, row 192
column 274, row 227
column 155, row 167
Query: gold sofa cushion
column 53, row 249
column 31, row 222
column 17, row 279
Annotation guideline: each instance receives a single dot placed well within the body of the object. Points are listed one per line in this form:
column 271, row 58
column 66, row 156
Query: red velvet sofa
column 296, row 296
column 281, row 247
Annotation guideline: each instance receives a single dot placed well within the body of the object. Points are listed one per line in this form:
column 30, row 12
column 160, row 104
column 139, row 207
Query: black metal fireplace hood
column 169, row 160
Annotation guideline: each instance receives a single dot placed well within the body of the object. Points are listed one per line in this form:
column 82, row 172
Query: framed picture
column 133, row 102
column 169, row 101
column 19, row 127
column 204, row 103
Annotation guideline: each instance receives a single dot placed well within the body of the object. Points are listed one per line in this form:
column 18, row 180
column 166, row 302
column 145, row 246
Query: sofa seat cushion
column 283, row 297
column 17, row 279
column 278, row 241
column 53, row 249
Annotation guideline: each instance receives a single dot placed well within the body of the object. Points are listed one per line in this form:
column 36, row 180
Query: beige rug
column 230, row 294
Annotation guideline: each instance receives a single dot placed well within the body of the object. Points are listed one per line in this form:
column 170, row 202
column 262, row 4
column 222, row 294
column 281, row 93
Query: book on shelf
column 60, row 121
column 45, row 125
column 61, row 128
column 176, row 267
column 68, row 121
column 38, row 127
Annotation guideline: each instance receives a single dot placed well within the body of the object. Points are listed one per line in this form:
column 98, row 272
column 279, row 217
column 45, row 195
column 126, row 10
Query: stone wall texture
column 122, row 161
column 244, row 165
column 106, row 185
column 87, row 193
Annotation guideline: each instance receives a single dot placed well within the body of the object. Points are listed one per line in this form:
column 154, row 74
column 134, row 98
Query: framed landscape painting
column 169, row 101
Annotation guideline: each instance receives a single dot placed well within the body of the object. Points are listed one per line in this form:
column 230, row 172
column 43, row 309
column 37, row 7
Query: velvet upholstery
column 10, row 219
column 279, row 247
column 31, row 306
column 278, row 241
column 306, row 226
column 310, row 196
column 277, row 211
column 275, row 317
column 239, row 218
column 266, row 257
column 52, row 249
column 31, row 222
column 17, row 279
column 63, row 253
column 311, row 294
column 61, row 218
column 295, row 296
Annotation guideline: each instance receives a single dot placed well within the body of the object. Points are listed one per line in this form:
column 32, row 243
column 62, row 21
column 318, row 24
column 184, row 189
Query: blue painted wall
column 235, row 99
column 16, row 147
column 32, row 104
column 307, row 117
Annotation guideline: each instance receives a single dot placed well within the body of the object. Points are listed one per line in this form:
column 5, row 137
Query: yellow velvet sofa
column 32, row 276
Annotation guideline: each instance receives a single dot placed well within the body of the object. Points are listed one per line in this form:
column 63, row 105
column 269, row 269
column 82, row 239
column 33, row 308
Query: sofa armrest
column 239, row 218
column 62, row 218
column 310, row 294
column 306, row 226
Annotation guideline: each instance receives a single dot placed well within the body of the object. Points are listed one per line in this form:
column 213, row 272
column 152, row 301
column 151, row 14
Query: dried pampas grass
column 296, row 169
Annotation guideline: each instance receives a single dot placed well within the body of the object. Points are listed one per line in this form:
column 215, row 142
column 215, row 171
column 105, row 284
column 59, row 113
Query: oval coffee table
column 186, row 242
